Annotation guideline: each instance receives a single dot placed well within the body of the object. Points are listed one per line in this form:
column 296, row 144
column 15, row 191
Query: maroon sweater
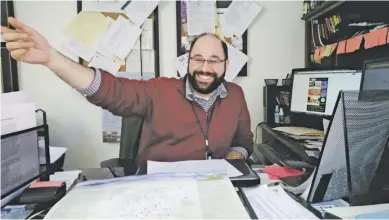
column 171, row 131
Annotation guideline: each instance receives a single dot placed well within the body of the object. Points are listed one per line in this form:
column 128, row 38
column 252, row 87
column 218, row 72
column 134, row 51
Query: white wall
column 276, row 45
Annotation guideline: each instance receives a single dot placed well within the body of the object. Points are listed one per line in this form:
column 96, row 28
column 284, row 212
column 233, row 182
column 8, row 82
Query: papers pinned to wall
column 229, row 20
column 103, row 35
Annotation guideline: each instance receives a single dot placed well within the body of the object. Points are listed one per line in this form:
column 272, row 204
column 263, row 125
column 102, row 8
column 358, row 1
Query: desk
column 105, row 173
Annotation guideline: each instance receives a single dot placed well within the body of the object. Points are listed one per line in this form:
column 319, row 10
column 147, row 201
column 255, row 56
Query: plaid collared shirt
column 207, row 104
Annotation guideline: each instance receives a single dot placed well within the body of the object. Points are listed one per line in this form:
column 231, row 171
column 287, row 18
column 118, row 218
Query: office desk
column 105, row 173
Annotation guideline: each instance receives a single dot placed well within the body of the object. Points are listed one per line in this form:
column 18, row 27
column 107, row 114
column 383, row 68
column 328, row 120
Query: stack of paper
column 193, row 166
column 275, row 203
column 69, row 177
column 152, row 197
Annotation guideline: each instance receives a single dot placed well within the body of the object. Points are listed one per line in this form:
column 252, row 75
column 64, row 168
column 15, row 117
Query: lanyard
column 208, row 152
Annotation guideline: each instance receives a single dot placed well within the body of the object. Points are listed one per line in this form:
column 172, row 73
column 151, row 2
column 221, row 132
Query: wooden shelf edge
column 322, row 9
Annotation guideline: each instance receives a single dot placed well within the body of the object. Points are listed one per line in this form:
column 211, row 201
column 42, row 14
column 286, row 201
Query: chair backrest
column 130, row 136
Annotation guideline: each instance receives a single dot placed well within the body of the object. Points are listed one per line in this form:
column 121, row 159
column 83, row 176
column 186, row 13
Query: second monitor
column 315, row 91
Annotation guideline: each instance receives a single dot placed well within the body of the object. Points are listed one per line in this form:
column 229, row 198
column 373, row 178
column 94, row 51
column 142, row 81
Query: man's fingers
column 18, row 54
column 18, row 45
column 6, row 30
column 15, row 36
column 20, row 26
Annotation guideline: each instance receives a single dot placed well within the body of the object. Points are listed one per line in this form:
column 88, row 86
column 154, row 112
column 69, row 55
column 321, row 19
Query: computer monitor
column 314, row 92
column 353, row 152
column 375, row 80
column 19, row 162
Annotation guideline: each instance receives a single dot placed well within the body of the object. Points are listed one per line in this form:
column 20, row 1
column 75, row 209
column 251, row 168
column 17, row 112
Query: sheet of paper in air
column 201, row 17
column 239, row 16
column 152, row 197
column 87, row 27
column 193, row 166
column 282, row 205
column 17, row 116
column 138, row 11
column 147, row 36
column 181, row 64
column 237, row 60
column 120, row 37
column 101, row 62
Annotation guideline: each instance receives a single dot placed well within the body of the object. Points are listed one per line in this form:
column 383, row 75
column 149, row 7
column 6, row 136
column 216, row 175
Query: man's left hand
column 234, row 155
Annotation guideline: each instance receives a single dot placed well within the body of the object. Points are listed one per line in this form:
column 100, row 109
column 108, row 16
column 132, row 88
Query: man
column 199, row 116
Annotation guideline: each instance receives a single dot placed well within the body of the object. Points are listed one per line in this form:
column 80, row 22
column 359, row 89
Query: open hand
column 26, row 44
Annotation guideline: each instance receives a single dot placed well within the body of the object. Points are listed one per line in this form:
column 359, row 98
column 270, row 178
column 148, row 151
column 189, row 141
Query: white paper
column 147, row 36
column 239, row 16
column 201, row 17
column 237, row 60
column 133, row 61
column 120, row 37
column 151, row 197
column 193, row 166
column 14, row 97
column 275, row 203
column 17, row 117
column 181, row 64
column 103, row 6
column 326, row 123
column 353, row 211
column 69, row 177
column 139, row 10
column 55, row 152
column 86, row 53
column 101, row 62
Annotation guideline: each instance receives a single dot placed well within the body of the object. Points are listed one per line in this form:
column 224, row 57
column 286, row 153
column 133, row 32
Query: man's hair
column 224, row 45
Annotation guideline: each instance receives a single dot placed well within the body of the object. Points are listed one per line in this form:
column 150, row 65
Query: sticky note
column 322, row 50
column 46, row 184
column 371, row 39
column 353, row 44
column 316, row 56
column 327, row 51
column 333, row 47
column 87, row 27
column 382, row 33
column 341, row 47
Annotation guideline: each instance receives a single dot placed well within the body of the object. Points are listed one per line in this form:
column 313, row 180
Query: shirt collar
column 220, row 91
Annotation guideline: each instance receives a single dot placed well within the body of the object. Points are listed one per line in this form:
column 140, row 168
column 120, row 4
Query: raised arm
column 118, row 95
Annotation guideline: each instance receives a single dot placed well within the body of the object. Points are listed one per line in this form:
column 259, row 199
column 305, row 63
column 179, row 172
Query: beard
column 202, row 87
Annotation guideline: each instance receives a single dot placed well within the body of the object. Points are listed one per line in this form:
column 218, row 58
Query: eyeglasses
column 201, row 61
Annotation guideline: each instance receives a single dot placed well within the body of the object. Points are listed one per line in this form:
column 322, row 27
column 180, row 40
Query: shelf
column 322, row 9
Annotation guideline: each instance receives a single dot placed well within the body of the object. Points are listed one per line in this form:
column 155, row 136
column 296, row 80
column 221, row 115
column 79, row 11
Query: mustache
column 205, row 73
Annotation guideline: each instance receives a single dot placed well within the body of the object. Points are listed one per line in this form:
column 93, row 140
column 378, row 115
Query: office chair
column 129, row 145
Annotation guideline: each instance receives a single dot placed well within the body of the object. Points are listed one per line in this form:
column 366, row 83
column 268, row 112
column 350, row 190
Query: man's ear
column 227, row 64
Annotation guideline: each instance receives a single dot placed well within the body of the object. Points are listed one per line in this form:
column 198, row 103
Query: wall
column 276, row 45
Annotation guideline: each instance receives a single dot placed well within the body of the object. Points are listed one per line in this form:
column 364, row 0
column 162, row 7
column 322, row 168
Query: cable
column 36, row 214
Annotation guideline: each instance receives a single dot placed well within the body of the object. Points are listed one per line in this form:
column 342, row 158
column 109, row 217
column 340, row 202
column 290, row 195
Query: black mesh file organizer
column 352, row 150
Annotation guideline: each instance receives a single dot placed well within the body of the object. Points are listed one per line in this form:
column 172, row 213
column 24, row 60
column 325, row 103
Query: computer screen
column 375, row 79
column 315, row 91
column 19, row 160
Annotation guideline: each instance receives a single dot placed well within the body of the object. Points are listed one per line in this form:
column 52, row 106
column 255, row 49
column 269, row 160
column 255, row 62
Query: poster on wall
column 317, row 94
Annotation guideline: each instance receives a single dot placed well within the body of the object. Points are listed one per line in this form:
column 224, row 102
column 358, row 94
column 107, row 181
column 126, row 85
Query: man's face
column 207, row 65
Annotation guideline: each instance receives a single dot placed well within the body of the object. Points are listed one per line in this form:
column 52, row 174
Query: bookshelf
column 345, row 24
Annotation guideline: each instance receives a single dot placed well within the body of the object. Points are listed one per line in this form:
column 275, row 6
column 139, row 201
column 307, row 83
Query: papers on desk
column 18, row 114
column 69, row 177
column 152, row 197
column 275, row 203
column 194, row 166
column 380, row 211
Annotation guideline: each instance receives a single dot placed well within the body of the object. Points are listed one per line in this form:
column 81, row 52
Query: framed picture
column 9, row 73
column 184, row 41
